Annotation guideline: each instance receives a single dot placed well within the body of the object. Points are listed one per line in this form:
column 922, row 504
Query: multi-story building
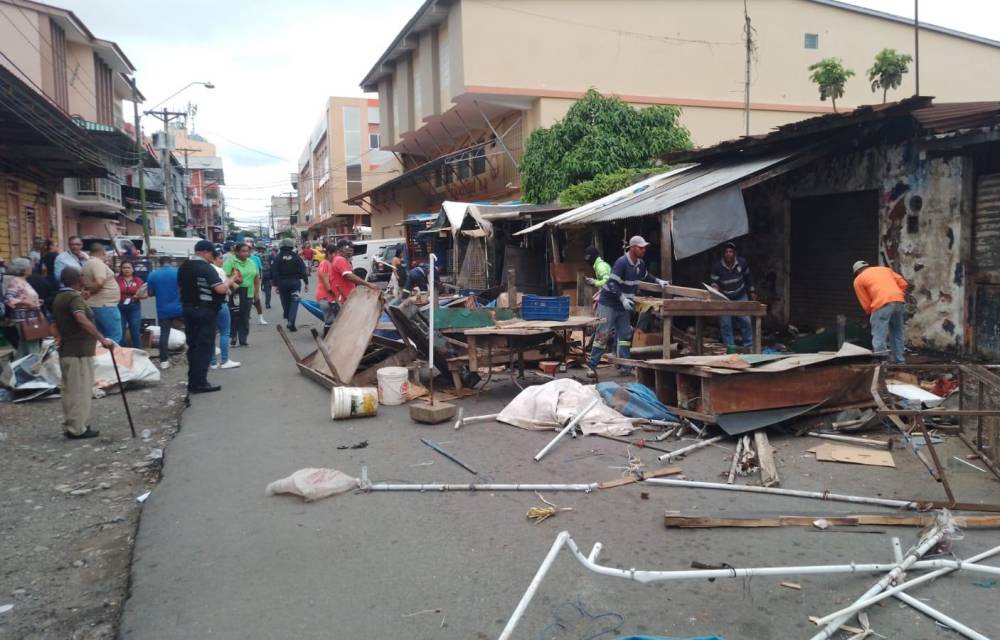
column 342, row 159
column 457, row 111
column 283, row 208
column 63, row 152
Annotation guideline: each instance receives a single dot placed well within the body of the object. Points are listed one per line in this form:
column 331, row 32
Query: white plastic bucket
column 353, row 402
column 393, row 385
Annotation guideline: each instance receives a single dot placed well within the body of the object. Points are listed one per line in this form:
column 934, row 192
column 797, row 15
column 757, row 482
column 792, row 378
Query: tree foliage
column 887, row 72
column 599, row 135
column 831, row 76
column 605, row 184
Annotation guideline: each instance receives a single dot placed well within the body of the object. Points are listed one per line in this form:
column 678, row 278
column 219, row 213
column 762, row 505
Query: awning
column 662, row 192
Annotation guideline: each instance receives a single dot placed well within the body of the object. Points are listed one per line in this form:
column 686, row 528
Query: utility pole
column 916, row 45
column 187, row 196
column 748, row 36
column 140, row 150
column 166, row 117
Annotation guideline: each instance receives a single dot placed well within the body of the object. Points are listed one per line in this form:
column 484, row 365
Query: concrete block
column 428, row 413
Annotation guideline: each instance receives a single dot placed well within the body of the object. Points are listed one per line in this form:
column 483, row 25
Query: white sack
column 134, row 365
column 314, row 484
column 553, row 404
column 176, row 340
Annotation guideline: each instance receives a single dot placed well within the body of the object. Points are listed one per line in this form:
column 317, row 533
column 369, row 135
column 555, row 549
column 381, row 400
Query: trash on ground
column 828, row 452
column 356, row 445
column 314, row 484
column 541, row 514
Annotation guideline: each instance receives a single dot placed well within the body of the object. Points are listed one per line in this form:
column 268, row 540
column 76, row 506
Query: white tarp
column 134, row 365
column 708, row 221
column 551, row 405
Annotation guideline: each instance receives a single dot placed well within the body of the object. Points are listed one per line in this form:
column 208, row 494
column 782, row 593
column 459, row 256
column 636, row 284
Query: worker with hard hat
column 617, row 300
column 882, row 294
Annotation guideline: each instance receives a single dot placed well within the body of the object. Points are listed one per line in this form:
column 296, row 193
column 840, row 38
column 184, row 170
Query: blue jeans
column 265, row 288
column 222, row 322
column 742, row 323
column 132, row 323
column 109, row 322
column 614, row 320
column 887, row 330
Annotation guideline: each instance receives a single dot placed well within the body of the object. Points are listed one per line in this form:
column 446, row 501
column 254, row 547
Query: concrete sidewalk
column 216, row 558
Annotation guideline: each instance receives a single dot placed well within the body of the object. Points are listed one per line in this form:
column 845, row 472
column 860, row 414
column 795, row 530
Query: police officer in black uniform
column 287, row 271
column 202, row 292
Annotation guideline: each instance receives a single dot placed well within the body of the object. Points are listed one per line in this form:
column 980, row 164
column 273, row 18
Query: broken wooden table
column 701, row 309
column 514, row 337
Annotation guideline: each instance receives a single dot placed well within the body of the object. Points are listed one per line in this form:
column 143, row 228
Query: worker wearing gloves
column 601, row 268
column 882, row 294
column 616, row 302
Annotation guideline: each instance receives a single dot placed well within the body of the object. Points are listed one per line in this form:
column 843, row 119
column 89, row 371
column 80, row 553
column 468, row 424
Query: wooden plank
column 288, row 343
column 658, row 473
column 677, row 520
column 667, row 247
column 765, row 455
column 350, row 334
column 679, row 307
column 831, row 383
column 675, row 290
column 939, row 412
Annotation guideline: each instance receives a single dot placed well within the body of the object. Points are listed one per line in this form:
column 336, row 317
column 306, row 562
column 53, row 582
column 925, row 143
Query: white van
column 163, row 245
column 366, row 252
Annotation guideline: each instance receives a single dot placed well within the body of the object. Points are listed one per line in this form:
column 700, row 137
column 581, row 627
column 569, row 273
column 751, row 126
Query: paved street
column 216, row 558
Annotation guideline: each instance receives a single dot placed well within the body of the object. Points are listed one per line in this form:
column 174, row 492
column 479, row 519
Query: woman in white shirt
column 223, row 320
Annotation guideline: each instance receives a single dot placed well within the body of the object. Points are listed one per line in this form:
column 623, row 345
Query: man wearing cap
column 202, row 293
column 287, row 271
column 731, row 276
column 882, row 294
column 617, row 299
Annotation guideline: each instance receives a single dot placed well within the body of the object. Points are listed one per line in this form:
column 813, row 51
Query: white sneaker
column 229, row 364
column 165, row 365
column 214, row 365
column 262, row 320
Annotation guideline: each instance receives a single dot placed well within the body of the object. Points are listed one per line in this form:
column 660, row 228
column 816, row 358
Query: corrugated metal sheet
column 674, row 188
column 986, row 224
column 952, row 116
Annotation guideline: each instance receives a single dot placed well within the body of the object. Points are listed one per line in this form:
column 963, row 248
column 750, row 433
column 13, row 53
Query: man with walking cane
column 78, row 337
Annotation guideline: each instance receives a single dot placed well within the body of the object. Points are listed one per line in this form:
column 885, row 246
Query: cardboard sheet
column 828, row 452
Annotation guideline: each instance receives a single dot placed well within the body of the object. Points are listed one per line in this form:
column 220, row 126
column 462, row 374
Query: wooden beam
column 618, row 482
column 765, row 454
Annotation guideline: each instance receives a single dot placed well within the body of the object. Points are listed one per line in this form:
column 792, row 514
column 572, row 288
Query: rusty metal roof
column 951, row 116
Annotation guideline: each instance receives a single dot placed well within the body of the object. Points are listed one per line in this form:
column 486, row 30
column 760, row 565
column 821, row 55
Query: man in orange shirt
column 882, row 294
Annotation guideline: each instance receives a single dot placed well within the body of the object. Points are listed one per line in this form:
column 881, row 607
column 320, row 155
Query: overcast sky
column 273, row 63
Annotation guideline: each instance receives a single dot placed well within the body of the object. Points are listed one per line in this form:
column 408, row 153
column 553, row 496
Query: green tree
column 599, row 135
column 605, row 184
column 887, row 72
column 831, row 76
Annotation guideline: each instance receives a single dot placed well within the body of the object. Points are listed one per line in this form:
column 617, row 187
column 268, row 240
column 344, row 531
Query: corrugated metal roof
column 949, row 116
column 673, row 189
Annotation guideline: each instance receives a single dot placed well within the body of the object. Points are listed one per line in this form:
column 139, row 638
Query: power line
column 238, row 144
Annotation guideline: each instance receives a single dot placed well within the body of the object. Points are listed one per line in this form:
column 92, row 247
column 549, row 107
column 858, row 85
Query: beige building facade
column 341, row 160
column 446, row 85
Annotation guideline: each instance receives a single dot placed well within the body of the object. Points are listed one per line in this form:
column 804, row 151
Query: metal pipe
column 550, row 557
column 683, row 450
column 430, row 327
column 950, row 622
column 572, row 424
column 926, row 543
column 865, row 442
column 389, row 486
column 821, row 495
column 903, row 586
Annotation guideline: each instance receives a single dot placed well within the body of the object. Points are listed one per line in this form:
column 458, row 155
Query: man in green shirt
column 248, row 292
column 602, row 270
column 78, row 337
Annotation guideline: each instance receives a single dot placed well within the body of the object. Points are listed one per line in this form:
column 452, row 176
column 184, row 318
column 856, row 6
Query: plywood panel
column 839, row 384
column 350, row 334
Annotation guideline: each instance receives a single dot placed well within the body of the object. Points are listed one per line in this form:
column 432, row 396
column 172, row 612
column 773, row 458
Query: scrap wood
column 736, row 461
column 765, row 454
column 678, row 520
column 827, row 452
column 791, row 585
column 865, row 442
column 639, row 477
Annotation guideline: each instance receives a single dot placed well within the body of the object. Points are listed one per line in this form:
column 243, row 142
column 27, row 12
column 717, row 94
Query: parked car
column 164, row 245
column 368, row 253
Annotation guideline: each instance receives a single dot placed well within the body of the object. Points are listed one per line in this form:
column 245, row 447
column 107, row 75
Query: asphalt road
column 217, row 558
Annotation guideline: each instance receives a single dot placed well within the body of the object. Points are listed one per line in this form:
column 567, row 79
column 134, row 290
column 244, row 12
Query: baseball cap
column 287, row 243
column 729, row 245
column 859, row 265
column 203, row 245
column 637, row 241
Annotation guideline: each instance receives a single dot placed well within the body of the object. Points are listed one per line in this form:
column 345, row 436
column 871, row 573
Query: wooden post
column 758, row 339
column 699, row 335
column 666, row 271
column 511, row 288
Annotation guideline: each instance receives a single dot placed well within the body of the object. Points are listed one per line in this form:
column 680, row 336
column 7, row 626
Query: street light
column 207, row 85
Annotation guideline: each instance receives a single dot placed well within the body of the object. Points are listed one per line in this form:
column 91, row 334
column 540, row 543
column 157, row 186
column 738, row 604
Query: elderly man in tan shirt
column 102, row 293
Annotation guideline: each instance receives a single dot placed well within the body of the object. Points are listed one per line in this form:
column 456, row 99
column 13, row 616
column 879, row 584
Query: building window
column 58, row 37
column 373, row 115
column 373, row 141
column 352, row 149
column 103, row 92
column 812, row 41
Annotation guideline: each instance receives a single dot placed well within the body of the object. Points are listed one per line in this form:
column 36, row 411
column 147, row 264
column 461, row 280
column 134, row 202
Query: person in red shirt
column 307, row 256
column 342, row 276
column 132, row 291
column 882, row 294
column 326, row 295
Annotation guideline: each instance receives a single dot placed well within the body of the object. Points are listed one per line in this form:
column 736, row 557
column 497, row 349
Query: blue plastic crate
column 545, row 307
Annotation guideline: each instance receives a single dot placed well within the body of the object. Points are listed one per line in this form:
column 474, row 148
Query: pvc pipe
column 387, row 486
column 462, row 420
column 903, row 586
column 430, row 330
column 950, row 622
column 865, row 442
column 897, row 550
column 926, row 543
column 550, row 557
column 572, row 424
column 697, row 445
column 820, row 495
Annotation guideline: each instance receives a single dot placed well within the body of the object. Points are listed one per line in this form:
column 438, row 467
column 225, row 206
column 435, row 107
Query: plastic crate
column 544, row 307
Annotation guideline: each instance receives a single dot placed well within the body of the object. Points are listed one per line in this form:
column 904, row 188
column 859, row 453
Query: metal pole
column 430, row 328
column 121, row 388
column 821, row 495
column 140, row 149
column 572, row 424
column 550, row 558
column 746, row 82
column 916, row 45
column 697, row 445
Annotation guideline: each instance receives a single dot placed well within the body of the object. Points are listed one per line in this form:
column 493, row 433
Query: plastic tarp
column 134, row 365
column 553, row 404
column 709, row 221
column 634, row 400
